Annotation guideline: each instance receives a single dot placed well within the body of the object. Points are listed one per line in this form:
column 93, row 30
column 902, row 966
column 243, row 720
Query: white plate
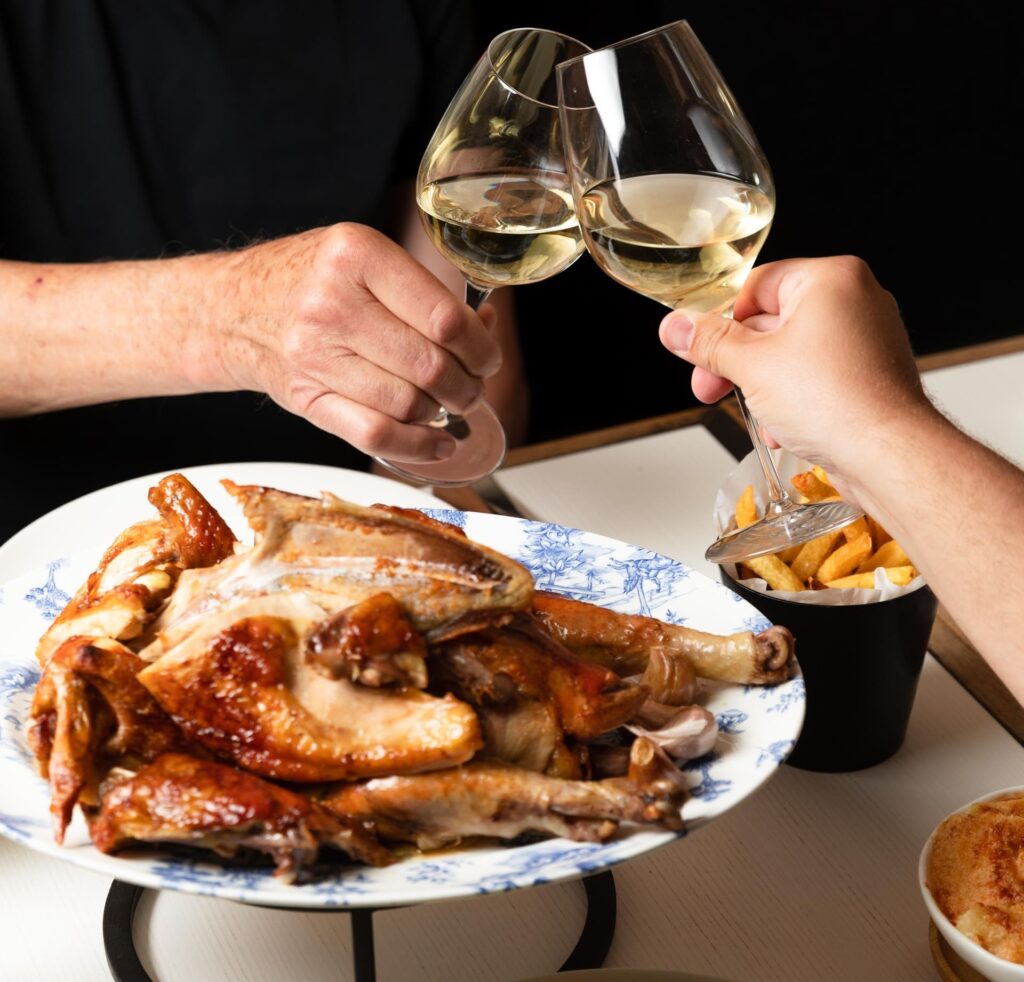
column 93, row 521
column 758, row 729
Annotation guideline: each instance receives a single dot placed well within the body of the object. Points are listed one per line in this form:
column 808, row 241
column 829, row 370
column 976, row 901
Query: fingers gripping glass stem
column 493, row 194
column 479, row 438
column 776, row 493
column 454, row 425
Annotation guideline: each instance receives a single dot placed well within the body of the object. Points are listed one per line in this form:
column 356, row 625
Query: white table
column 813, row 878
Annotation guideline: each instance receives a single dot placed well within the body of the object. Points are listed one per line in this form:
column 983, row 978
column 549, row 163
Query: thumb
column 706, row 340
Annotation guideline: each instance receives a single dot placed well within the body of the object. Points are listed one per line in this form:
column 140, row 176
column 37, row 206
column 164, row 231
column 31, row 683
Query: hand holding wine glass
column 495, row 199
column 675, row 199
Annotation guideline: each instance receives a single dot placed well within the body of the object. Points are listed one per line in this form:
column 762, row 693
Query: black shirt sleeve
column 139, row 130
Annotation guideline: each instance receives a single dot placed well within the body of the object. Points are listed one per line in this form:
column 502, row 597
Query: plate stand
column 123, row 960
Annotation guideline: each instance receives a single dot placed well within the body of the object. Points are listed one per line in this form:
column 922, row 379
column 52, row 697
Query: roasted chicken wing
column 373, row 643
column 622, row 642
column 188, row 801
column 141, row 567
column 499, row 800
column 89, row 712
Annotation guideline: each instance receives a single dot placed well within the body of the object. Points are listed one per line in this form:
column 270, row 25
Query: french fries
column 898, row 576
column 888, row 554
column 812, row 487
column 774, row 572
column 845, row 559
column 746, row 508
column 840, row 560
column 878, row 534
column 788, row 555
column 856, row 529
column 812, row 554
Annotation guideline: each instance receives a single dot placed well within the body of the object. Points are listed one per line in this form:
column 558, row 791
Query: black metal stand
column 590, row 951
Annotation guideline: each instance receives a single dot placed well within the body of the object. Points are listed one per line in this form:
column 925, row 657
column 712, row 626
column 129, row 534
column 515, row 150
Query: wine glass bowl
column 675, row 199
column 493, row 190
column 495, row 199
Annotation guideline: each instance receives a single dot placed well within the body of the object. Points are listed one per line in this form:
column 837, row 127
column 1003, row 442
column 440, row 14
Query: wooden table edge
column 712, row 414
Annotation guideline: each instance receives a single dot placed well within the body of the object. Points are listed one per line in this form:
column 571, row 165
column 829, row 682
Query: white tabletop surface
column 985, row 398
column 813, row 878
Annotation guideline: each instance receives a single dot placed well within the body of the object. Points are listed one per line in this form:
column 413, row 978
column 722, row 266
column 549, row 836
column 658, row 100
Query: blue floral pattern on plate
column 757, row 729
column 449, row 515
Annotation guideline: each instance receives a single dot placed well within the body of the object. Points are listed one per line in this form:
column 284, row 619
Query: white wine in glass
column 495, row 198
column 503, row 228
column 685, row 240
column 675, row 199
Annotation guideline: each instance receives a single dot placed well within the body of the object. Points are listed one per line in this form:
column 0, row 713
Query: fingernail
column 676, row 332
column 444, row 448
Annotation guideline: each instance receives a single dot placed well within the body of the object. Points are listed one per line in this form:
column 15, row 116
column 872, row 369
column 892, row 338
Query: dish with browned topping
column 975, row 872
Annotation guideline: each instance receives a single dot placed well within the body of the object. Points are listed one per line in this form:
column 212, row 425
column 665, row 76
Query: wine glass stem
column 778, row 499
column 452, row 422
column 476, row 295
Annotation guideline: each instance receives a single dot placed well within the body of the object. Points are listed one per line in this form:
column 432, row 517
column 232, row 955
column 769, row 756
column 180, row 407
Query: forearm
column 957, row 508
column 75, row 334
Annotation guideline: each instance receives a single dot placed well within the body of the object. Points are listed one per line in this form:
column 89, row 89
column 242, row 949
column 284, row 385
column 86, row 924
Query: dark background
column 888, row 130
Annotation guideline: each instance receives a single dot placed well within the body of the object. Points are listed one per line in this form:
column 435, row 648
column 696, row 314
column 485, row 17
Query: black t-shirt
column 141, row 130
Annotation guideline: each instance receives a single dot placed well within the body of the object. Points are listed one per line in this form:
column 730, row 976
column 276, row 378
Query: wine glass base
column 792, row 526
column 479, row 451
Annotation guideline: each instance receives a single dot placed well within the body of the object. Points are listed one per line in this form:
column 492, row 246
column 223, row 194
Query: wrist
column 216, row 352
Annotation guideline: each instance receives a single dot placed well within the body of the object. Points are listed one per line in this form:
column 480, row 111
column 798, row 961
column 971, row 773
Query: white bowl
column 979, row 958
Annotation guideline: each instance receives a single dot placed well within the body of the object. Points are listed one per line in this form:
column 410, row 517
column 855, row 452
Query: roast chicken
column 359, row 679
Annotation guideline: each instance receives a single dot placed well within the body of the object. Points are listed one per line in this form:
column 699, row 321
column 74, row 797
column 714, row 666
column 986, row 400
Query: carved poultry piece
column 240, row 687
column 183, row 800
column 404, row 681
column 498, row 800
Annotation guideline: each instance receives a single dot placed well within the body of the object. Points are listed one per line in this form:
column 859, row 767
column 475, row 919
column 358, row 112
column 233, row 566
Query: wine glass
column 494, row 196
column 675, row 198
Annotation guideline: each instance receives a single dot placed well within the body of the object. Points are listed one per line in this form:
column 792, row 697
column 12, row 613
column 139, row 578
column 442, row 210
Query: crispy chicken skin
column 139, row 570
column 339, row 554
column 89, row 711
column 242, row 689
column 521, row 657
column 182, row 799
column 493, row 799
column 622, row 642
column 530, row 692
column 372, row 643
column 200, row 536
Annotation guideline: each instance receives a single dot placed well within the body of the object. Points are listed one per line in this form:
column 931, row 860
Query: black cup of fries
column 861, row 615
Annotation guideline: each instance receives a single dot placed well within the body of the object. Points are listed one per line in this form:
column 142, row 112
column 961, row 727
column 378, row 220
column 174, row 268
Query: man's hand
column 342, row 326
column 820, row 352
